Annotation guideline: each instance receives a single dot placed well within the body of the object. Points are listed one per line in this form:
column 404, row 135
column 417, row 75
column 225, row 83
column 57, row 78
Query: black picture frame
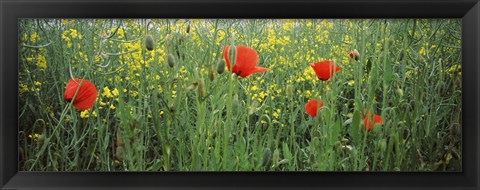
column 467, row 10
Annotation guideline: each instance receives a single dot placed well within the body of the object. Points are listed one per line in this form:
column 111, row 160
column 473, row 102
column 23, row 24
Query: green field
column 164, row 104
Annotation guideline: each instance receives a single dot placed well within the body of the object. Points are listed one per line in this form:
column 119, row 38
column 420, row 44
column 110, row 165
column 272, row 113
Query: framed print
column 239, row 94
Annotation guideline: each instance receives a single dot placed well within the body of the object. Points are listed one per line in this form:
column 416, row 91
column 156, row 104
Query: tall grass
column 152, row 117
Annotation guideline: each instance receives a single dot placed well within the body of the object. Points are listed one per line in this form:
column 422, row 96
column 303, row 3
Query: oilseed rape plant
column 240, row 95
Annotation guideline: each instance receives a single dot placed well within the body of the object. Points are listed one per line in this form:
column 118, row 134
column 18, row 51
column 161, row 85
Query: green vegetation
column 165, row 102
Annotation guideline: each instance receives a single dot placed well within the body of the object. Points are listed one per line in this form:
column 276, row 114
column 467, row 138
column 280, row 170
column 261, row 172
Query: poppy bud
column 266, row 157
column 382, row 145
column 201, row 88
column 168, row 150
column 276, row 156
column 289, row 90
column 232, row 54
column 188, row 28
column 41, row 140
column 253, row 108
column 220, row 66
column 354, row 55
column 41, row 137
column 316, row 141
column 212, row 76
column 167, row 40
column 400, row 57
column 171, row 60
column 149, row 43
column 120, row 153
column 171, row 108
column 193, row 86
column 236, row 104
column 400, row 92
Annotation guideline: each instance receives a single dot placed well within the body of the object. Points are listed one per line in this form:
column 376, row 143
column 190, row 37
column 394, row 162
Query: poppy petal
column 247, row 58
column 245, row 62
column 325, row 69
column 311, row 108
column 255, row 70
column 86, row 96
column 368, row 125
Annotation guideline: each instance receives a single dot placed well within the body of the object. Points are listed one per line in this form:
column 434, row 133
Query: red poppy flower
column 312, row 106
column 245, row 63
column 368, row 125
column 86, row 94
column 325, row 69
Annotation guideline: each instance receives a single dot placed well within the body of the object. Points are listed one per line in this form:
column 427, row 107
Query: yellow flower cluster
column 41, row 62
column 86, row 114
column 67, row 35
column 110, row 94
column 34, row 37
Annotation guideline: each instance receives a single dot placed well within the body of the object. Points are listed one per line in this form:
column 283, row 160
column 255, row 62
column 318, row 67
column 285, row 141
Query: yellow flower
column 23, row 88
column 41, row 62
column 107, row 93
column 74, row 34
column 112, row 107
column 422, row 51
column 115, row 92
column 120, row 33
column 94, row 114
column 84, row 114
column 102, row 103
column 307, row 93
column 276, row 115
column 34, row 37
column 351, row 83
column 263, row 94
column 36, row 135
column 277, row 112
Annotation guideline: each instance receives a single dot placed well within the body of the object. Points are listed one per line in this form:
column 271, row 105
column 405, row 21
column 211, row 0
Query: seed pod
column 171, row 60
column 149, row 44
column 266, row 158
column 220, row 66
